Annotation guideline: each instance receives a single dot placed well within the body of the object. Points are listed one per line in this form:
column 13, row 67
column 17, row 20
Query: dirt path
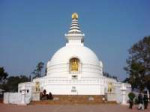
column 69, row 108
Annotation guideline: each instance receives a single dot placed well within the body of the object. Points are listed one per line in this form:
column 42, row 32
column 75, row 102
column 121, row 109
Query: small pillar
column 23, row 94
column 123, row 90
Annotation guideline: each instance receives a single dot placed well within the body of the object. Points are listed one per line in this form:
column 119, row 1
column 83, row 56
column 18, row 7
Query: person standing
column 131, row 96
column 140, row 100
column 145, row 100
column 131, row 104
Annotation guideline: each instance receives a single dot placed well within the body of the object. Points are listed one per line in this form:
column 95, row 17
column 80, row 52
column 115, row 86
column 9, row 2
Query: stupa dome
column 84, row 54
column 74, row 59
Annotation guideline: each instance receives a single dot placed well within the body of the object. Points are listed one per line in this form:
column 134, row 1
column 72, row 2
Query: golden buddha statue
column 110, row 87
column 74, row 65
column 37, row 86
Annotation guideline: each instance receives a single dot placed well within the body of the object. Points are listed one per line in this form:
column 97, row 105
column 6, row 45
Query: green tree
column 13, row 81
column 37, row 72
column 3, row 75
column 138, row 64
column 106, row 74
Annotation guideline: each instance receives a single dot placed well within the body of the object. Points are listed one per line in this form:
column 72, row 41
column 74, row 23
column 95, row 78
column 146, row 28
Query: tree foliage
column 138, row 64
column 110, row 76
column 12, row 82
column 37, row 72
column 3, row 75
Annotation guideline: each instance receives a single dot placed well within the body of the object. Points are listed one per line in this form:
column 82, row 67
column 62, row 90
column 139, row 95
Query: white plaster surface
column 16, row 98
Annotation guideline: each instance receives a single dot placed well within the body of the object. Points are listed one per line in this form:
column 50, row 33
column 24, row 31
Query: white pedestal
column 23, row 101
column 36, row 96
column 111, row 97
column 124, row 89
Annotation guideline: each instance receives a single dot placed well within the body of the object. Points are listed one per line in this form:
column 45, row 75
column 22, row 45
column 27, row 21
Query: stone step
column 73, row 99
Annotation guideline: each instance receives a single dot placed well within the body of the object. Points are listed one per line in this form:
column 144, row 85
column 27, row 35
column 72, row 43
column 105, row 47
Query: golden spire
column 74, row 16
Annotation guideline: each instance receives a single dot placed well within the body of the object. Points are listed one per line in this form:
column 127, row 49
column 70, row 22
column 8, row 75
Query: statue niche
column 110, row 87
column 37, row 86
column 74, row 65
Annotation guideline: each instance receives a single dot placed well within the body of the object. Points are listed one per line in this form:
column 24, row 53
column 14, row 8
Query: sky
column 33, row 30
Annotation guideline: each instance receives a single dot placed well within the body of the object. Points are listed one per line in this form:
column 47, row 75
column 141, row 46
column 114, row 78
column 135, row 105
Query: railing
column 76, row 82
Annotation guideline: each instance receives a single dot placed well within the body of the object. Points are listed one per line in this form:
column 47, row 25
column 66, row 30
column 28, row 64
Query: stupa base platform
column 74, row 99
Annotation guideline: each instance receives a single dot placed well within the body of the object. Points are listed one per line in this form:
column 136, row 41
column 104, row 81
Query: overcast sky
column 33, row 30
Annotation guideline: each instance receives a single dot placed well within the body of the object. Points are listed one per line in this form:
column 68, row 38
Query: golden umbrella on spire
column 74, row 16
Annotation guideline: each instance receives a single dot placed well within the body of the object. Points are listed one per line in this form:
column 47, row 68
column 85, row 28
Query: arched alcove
column 74, row 64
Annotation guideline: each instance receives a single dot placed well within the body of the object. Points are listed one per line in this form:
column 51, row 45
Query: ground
column 69, row 108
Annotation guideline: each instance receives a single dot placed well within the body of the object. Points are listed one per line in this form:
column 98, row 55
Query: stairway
column 73, row 99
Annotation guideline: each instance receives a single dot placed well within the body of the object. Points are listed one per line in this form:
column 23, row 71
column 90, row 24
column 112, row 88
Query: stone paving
column 70, row 108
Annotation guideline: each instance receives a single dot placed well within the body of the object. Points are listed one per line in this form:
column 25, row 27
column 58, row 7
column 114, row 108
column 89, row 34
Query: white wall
column 74, row 87
column 16, row 98
column 22, row 97
column 12, row 98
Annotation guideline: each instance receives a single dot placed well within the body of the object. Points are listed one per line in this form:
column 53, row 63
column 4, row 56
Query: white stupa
column 75, row 70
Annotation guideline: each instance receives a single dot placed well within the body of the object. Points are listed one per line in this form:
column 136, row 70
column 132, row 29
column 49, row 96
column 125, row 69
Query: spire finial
column 74, row 16
column 74, row 32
